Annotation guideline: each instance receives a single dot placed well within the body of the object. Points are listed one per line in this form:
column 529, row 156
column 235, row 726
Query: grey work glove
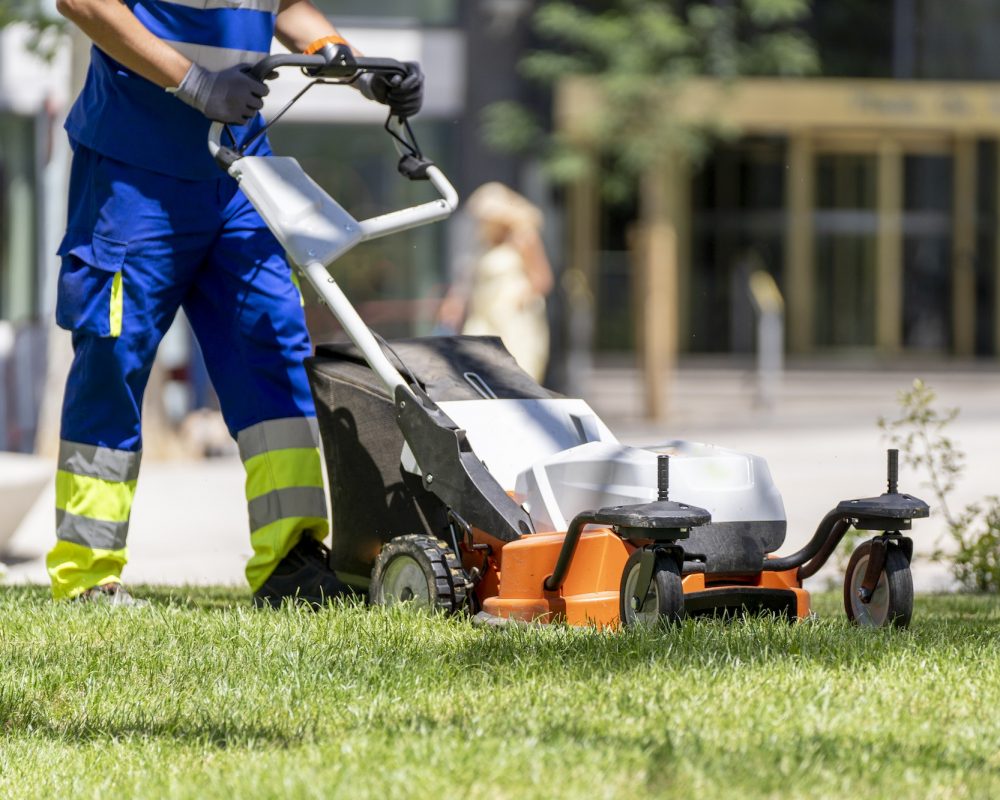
column 403, row 95
column 232, row 95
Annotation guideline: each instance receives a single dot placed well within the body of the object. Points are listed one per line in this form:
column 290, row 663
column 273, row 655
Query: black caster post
column 878, row 586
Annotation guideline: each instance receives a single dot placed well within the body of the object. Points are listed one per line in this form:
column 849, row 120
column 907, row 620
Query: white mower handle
column 315, row 230
column 385, row 224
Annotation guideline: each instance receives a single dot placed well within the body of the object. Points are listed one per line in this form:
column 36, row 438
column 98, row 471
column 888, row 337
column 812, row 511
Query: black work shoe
column 303, row 576
column 113, row 595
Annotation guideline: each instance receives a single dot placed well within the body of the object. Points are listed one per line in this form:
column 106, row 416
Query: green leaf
column 549, row 68
column 776, row 12
column 509, row 127
column 788, row 53
column 565, row 163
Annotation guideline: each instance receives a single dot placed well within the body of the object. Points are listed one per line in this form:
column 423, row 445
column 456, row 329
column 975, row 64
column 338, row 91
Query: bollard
column 769, row 307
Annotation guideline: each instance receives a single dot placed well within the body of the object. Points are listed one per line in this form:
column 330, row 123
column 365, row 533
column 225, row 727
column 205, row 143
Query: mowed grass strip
column 201, row 696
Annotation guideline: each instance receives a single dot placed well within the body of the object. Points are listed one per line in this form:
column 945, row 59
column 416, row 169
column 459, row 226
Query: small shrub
column 976, row 562
column 920, row 432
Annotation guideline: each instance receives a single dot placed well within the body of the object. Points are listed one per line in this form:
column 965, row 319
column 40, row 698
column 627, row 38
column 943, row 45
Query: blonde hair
column 494, row 202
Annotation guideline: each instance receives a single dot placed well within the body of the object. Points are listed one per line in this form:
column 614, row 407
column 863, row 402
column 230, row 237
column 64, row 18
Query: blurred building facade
column 869, row 193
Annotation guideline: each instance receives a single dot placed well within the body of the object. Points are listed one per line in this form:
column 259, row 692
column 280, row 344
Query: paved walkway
column 820, row 440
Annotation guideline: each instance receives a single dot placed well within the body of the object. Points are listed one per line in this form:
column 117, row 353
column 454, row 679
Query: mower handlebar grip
column 318, row 66
column 264, row 68
column 386, row 65
column 267, row 66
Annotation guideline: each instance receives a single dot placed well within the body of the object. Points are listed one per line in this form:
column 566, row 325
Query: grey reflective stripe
column 270, row 6
column 97, row 534
column 299, row 501
column 215, row 59
column 278, row 434
column 98, row 462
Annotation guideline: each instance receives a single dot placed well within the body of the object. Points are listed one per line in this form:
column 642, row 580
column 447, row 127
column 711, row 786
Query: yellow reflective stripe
column 94, row 497
column 297, row 285
column 272, row 543
column 74, row 568
column 117, row 305
column 283, row 469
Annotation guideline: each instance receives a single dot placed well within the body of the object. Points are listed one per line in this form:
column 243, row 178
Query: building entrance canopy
column 905, row 136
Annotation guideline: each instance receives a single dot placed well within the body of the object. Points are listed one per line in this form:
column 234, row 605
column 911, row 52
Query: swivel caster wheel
column 664, row 600
column 892, row 601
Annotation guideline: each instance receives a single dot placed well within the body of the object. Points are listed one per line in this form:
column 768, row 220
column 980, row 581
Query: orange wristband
column 319, row 44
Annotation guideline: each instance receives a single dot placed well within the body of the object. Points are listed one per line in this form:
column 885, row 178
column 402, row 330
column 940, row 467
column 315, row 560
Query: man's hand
column 403, row 95
column 232, row 96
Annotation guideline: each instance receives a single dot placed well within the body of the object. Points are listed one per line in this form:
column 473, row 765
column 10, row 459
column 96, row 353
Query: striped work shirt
column 126, row 117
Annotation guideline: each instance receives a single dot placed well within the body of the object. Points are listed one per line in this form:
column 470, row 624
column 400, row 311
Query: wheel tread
column 449, row 579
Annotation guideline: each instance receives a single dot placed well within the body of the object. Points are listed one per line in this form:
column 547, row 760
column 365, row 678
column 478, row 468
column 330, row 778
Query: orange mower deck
column 513, row 589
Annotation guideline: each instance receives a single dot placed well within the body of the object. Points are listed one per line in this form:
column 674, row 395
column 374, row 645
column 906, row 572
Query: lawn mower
column 458, row 482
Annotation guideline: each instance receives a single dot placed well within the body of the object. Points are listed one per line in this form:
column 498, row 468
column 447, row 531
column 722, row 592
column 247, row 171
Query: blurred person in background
column 503, row 294
column 155, row 225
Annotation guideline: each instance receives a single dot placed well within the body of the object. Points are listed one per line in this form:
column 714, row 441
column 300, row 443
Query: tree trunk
column 657, row 256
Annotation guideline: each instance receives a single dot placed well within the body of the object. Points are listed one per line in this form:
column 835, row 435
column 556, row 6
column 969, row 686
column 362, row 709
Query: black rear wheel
column 892, row 600
column 421, row 570
column 664, row 600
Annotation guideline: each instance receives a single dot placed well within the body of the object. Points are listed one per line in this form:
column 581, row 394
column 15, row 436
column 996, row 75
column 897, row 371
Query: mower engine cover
column 560, row 459
column 748, row 515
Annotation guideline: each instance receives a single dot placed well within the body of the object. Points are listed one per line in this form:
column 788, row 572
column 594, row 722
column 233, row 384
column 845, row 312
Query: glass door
column 927, row 252
column 846, row 226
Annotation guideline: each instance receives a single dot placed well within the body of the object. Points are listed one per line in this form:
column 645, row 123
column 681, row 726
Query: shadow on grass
column 962, row 632
column 771, row 772
column 214, row 733
column 204, row 598
column 201, row 598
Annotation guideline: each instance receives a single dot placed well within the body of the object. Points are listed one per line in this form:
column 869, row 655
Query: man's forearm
column 300, row 23
column 116, row 31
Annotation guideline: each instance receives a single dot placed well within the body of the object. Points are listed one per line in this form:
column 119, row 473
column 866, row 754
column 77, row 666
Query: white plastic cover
column 311, row 225
column 732, row 486
column 509, row 436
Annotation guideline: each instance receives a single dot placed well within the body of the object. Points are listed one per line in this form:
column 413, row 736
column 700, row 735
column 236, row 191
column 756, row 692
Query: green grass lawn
column 200, row 696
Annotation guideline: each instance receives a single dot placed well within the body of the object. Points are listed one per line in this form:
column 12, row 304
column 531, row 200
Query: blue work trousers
column 139, row 245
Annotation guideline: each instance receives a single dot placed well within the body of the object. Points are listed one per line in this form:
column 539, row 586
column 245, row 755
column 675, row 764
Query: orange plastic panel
column 588, row 596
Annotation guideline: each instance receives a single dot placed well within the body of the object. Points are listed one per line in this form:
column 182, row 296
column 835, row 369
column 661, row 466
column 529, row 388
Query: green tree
column 639, row 54
column 41, row 19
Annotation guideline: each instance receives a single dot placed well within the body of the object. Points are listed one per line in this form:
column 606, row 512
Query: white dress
column 497, row 308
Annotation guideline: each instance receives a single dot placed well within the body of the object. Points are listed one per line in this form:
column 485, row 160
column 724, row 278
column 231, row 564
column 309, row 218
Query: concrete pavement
column 820, row 440
column 22, row 479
